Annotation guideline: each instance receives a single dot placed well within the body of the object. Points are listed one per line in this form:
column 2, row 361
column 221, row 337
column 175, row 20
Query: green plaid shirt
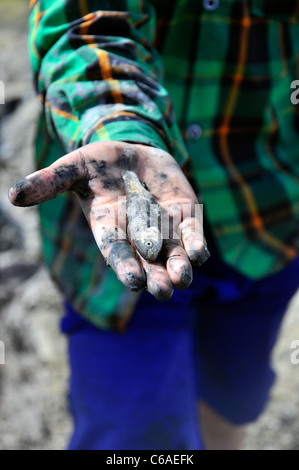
column 207, row 80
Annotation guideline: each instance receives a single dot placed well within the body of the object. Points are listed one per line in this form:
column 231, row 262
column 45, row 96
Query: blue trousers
column 213, row 341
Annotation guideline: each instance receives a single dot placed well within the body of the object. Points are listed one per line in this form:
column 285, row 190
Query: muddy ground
column 34, row 379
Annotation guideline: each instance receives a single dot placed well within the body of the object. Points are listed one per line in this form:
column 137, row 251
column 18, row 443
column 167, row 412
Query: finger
column 177, row 264
column 194, row 241
column 93, row 169
column 123, row 260
column 48, row 183
column 115, row 248
column 158, row 281
column 131, row 269
column 175, row 258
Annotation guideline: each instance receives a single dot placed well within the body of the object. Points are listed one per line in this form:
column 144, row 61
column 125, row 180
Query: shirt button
column 193, row 132
column 211, row 5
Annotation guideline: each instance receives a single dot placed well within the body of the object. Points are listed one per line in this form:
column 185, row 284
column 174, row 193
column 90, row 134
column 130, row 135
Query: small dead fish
column 144, row 218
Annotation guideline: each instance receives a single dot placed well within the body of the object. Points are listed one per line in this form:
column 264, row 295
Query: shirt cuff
column 135, row 130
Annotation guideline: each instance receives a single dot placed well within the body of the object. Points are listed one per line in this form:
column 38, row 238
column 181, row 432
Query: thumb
column 47, row 183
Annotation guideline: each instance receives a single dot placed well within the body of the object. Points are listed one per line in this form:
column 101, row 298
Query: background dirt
column 34, row 379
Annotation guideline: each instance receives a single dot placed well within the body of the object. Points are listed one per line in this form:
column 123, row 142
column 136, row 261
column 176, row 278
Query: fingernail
column 199, row 257
column 186, row 279
column 161, row 292
column 134, row 282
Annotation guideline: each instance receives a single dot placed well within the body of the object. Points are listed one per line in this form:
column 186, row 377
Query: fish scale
column 143, row 218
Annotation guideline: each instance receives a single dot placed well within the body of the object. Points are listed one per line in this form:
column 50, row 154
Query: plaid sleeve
column 98, row 75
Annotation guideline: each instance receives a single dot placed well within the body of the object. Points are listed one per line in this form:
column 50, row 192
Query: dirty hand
column 94, row 174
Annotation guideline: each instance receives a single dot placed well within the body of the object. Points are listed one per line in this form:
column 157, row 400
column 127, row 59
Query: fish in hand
column 143, row 218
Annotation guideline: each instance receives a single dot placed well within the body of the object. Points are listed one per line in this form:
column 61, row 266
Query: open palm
column 94, row 174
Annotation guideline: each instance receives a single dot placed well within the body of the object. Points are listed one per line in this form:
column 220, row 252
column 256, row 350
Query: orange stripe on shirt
column 106, row 72
column 224, row 130
column 294, row 17
column 64, row 114
column 37, row 17
column 85, row 26
column 83, row 5
column 110, row 116
column 32, row 4
column 104, row 64
column 225, row 127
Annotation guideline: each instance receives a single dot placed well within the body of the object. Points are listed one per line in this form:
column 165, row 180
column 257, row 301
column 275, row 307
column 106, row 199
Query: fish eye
column 148, row 244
